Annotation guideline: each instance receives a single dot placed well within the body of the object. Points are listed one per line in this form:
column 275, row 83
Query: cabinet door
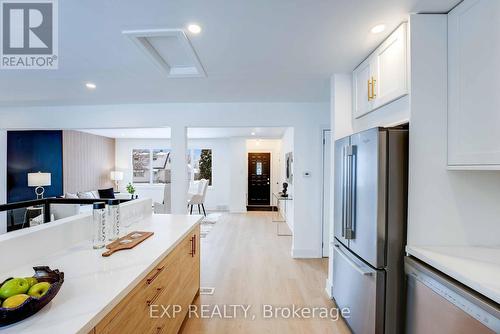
column 361, row 98
column 474, row 85
column 390, row 70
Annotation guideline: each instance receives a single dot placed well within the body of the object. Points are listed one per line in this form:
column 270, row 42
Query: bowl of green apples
column 21, row 297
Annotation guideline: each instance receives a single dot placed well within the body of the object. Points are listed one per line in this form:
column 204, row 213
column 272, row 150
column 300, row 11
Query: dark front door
column 259, row 178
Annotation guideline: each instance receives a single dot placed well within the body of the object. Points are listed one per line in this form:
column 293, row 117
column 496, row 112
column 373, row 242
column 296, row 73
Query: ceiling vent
column 170, row 49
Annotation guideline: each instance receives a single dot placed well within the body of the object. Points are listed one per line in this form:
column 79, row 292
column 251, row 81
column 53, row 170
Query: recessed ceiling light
column 90, row 85
column 253, row 133
column 194, row 28
column 378, row 28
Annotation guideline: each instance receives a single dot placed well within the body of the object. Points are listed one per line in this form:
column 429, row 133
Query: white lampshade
column 116, row 176
column 39, row 179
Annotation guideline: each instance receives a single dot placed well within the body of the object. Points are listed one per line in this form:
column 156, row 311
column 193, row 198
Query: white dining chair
column 166, row 206
column 198, row 198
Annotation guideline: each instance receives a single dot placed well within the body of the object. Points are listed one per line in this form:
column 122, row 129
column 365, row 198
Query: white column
column 341, row 125
column 238, row 177
column 3, row 179
column 180, row 182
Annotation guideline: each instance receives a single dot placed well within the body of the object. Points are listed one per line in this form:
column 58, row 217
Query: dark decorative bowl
column 32, row 305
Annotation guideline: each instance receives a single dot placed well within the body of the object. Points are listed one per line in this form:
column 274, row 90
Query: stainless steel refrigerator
column 370, row 205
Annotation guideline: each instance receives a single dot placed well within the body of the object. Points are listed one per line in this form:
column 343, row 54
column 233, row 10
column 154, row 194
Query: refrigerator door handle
column 360, row 269
column 354, row 163
column 345, row 191
column 349, row 234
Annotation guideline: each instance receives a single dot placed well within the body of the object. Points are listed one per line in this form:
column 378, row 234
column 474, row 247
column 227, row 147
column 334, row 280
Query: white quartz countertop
column 475, row 267
column 93, row 284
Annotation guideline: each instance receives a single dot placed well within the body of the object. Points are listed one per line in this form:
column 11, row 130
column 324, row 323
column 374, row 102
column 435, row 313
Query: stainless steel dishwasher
column 437, row 303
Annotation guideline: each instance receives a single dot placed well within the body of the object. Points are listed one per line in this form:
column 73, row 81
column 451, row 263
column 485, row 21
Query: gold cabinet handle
column 373, row 88
column 369, row 89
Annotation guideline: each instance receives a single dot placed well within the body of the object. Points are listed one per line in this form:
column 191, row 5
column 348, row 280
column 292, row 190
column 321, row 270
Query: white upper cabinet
column 391, row 80
column 383, row 76
column 474, row 85
column 361, row 77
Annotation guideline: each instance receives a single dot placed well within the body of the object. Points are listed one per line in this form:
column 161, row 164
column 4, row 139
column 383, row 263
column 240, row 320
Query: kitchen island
column 108, row 294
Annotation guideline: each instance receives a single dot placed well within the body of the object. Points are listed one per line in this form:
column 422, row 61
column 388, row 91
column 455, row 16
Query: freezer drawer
column 438, row 304
column 360, row 288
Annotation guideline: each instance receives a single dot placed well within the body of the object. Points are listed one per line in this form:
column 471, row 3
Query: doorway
column 259, row 179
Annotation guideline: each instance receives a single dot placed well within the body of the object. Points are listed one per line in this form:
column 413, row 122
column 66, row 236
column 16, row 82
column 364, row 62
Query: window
column 259, row 168
column 141, row 160
column 151, row 166
column 200, row 164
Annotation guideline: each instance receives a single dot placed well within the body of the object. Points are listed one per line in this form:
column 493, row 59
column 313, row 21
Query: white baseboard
column 329, row 289
column 306, row 253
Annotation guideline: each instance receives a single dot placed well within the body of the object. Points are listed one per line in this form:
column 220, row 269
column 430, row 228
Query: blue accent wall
column 33, row 151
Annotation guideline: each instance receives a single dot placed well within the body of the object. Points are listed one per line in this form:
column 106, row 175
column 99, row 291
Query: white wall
column 3, row 179
column 217, row 194
column 238, row 175
column 287, row 145
column 340, row 107
column 445, row 207
column 307, row 119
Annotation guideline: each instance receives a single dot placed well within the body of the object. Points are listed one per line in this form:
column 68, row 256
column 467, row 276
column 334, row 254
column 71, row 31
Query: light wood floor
column 246, row 263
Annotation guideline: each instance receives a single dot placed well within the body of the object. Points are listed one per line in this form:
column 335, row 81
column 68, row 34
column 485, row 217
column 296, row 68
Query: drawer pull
column 155, row 296
column 191, row 252
column 158, row 271
column 193, row 246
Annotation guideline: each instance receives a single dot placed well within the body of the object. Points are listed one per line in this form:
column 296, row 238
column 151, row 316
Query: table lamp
column 116, row 176
column 39, row 180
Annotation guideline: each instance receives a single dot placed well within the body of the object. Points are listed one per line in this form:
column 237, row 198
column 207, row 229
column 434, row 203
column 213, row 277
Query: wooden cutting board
column 127, row 242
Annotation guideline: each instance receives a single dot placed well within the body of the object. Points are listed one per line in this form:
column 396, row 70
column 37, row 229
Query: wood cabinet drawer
column 136, row 304
column 184, row 288
column 175, row 281
column 181, row 296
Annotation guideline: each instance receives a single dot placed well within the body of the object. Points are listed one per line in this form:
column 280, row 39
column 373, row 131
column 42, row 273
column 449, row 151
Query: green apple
column 39, row 289
column 31, row 281
column 12, row 287
column 14, row 301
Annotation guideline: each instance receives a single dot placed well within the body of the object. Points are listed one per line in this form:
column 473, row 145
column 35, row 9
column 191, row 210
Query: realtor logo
column 29, row 38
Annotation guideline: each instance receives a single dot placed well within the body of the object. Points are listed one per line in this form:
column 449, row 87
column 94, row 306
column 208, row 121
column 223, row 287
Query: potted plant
column 131, row 190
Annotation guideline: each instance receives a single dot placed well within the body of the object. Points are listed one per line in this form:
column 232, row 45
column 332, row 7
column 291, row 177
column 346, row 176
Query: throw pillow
column 106, row 193
column 85, row 195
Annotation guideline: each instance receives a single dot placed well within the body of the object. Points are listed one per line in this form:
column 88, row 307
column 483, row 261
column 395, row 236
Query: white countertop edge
column 52, row 224
column 114, row 302
column 41, row 227
column 419, row 252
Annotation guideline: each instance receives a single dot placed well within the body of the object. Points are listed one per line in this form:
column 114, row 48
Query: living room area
column 130, row 163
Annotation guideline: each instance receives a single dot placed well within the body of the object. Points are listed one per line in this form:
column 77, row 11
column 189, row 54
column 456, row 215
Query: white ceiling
column 258, row 50
column 192, row 133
